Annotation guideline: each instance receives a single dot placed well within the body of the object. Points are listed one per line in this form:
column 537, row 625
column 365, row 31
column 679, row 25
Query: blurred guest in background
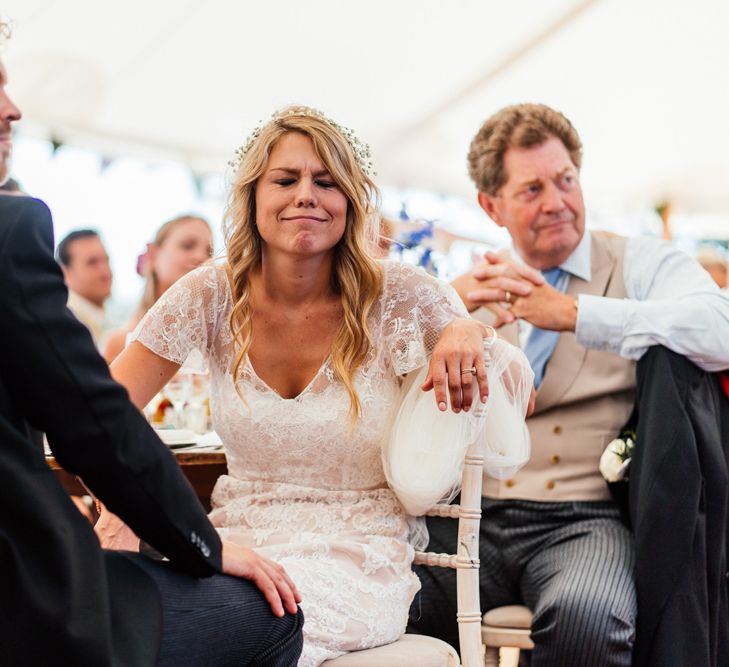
column 715, row 264
column 11, row 187
column 385, row 236
column 87, row 273
column 180, row 245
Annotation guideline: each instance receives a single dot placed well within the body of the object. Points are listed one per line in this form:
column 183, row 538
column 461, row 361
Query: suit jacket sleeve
column 63, row 387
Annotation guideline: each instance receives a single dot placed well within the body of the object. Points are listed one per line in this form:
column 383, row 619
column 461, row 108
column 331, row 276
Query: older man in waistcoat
column 584, row 306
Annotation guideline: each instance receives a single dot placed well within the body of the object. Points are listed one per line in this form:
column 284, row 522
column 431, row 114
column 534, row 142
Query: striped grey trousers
column 219, row 621
column 571, row 563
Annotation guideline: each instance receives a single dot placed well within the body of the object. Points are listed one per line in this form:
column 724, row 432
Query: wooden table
column 202, row 468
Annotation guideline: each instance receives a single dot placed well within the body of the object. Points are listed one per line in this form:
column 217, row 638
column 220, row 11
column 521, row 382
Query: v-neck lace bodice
column 305, row 486
column 252, row 370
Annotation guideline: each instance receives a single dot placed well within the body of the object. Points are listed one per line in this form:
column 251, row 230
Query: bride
column 306, row 338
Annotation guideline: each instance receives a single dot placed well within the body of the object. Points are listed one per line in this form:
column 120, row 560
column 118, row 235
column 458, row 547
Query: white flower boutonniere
column 616, row 458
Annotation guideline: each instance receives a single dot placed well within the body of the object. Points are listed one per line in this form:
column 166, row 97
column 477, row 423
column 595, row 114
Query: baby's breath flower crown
column 6, row 30
column 360, row 149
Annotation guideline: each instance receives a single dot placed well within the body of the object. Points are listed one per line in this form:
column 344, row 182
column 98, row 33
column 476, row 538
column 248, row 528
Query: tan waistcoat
column 585, row 398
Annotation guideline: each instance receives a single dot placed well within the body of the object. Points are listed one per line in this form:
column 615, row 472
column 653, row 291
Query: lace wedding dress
column 303, row 487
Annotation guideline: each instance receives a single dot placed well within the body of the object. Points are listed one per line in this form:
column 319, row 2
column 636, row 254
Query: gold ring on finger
column 471, row 370
column 508, row 296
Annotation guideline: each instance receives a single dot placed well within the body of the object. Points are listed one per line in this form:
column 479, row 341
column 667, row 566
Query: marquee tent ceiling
column 646, row 83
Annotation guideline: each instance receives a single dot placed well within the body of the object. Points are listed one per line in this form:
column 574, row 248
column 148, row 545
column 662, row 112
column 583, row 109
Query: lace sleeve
column 417, row 307
column 181, row 326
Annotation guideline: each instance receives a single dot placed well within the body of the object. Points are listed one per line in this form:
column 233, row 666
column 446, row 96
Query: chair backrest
column 466, row 560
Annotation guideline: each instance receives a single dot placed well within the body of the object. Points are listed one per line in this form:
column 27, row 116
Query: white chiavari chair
column 422, row 651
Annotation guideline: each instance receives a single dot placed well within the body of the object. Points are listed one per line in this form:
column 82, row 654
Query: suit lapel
column 568, row 356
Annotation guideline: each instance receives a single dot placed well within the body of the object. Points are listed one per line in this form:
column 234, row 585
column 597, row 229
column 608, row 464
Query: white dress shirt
column 89, row 314
column 671, row 301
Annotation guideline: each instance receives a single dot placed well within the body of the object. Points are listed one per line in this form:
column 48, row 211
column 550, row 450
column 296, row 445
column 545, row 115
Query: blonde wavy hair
column 356, row 276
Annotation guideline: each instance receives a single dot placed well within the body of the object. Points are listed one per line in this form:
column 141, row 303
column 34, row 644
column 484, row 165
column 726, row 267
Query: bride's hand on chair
column 268, row 576
column 457, row 365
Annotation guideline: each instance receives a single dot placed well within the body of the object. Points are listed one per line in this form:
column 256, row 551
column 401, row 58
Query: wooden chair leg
column 492, row 657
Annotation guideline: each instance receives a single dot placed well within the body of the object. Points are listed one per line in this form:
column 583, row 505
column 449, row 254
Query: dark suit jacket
column 64, row 601
column 679, row 495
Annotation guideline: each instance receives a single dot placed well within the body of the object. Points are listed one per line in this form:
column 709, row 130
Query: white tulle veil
column 423, row 458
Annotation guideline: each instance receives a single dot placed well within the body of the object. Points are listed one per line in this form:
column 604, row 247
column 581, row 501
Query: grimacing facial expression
column 88, row 272
column 300, row 208
column 188, row 245
column 540, row 204
column 9, row 113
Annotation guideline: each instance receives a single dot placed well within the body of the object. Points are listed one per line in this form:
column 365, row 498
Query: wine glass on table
column 178, row 390
column 197, row 409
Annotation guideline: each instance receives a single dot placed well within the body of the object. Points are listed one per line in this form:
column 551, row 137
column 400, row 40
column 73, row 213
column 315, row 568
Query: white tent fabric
column 645, row 83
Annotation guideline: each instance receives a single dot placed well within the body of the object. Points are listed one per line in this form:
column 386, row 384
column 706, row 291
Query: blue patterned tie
column 542, row 342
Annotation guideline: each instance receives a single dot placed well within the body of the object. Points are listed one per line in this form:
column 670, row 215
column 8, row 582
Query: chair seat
column 507, row 626
column 511, row 616
column 408, row 651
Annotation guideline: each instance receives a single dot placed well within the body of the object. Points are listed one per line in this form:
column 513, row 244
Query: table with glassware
column 180, row 414
column 202, row 467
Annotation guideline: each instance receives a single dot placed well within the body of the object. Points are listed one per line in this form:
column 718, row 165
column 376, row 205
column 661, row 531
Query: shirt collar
column 78, row 301
column 579, row 263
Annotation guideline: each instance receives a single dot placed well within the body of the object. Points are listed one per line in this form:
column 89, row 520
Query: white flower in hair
column 6, row 29
column 360, row 149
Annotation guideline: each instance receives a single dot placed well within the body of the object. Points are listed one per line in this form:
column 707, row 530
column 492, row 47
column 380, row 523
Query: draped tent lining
column 645, row 84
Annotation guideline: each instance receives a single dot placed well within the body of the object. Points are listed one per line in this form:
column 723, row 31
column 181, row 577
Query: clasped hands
column 513, row 291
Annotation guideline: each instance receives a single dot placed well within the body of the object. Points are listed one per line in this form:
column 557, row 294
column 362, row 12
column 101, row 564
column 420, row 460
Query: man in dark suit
column 63, row 600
